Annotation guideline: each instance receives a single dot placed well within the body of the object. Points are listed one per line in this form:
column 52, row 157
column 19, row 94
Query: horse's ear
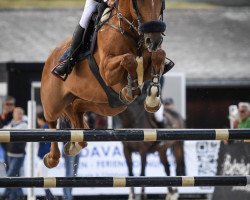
column 163, row 5
column 163, row 8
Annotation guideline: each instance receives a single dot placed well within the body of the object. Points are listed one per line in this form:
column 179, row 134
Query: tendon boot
column 64, row 68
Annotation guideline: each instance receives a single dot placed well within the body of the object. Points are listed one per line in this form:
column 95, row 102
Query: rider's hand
column 110, row 3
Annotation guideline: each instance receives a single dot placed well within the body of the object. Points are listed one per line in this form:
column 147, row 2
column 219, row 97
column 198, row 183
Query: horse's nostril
column 161, row 41
column 153, row 41
column 148, row 41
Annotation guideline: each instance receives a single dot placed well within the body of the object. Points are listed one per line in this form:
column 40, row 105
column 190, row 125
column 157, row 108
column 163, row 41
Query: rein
column 138, row 41
column 152, row 26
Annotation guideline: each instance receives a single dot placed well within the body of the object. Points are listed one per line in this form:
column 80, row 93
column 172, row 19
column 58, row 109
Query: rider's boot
column 169, row 64
column 65, row 67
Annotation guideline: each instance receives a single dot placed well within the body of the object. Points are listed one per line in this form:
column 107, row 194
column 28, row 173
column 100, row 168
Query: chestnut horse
column 133, row 30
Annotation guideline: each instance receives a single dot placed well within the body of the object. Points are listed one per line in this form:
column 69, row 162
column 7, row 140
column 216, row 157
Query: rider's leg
column 66, row 66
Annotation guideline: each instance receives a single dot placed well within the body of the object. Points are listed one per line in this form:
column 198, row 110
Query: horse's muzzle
column 153, row 41
column 152, row 34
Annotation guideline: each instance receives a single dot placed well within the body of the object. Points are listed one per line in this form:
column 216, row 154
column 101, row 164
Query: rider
column 66, row 66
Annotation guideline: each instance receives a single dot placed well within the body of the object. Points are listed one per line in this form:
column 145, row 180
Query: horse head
column 146, row 18
column 149, row 16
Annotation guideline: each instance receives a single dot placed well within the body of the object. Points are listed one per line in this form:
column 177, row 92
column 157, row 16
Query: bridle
column 152, row 26
column 142, row 28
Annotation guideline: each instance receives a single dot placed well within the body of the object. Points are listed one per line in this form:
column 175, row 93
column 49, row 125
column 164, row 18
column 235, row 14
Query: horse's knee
column 129, row 63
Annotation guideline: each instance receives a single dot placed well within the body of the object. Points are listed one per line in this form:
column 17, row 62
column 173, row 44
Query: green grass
column 62, row 4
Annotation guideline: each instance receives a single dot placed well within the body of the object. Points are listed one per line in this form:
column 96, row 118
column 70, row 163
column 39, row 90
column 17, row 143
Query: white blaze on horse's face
column 153, row 3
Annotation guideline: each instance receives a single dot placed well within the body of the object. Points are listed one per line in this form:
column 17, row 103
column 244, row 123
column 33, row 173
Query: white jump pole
column 30, row 146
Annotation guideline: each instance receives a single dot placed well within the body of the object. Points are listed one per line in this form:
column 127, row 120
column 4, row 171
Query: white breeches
column 90, row 7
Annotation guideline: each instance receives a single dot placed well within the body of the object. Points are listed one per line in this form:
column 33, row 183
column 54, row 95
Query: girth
column 113, row 97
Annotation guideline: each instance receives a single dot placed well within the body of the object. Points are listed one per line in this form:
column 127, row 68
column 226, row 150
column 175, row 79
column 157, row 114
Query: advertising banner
column 233, row 160
column 107, row 159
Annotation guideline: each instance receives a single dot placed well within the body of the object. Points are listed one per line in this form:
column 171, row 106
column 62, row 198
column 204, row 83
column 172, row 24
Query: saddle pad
column 106, row 15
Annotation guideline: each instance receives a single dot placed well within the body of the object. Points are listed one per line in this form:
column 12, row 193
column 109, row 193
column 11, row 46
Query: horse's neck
column 124, row 8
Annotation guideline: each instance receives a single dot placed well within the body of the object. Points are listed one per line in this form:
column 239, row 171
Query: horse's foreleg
column 51, row 159
column 179, row 158
column 132, row 90
column 153, row 102
column 164, row 160
column 115, row 68
column 143, row 163
column 131, row 195
column 172, row 191
column 128, row 157
column 165, row 163
column 143, row 169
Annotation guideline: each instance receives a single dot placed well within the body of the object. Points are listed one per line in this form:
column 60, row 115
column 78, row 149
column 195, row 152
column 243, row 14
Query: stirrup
column 63, row 77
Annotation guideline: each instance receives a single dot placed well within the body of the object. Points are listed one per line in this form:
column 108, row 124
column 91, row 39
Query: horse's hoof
column 50, row 162
column 74, row 148
column 152, row 102
column 125, row 97
column 152, row 109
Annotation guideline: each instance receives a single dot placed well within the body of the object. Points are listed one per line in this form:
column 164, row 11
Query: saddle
column 98, row 18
